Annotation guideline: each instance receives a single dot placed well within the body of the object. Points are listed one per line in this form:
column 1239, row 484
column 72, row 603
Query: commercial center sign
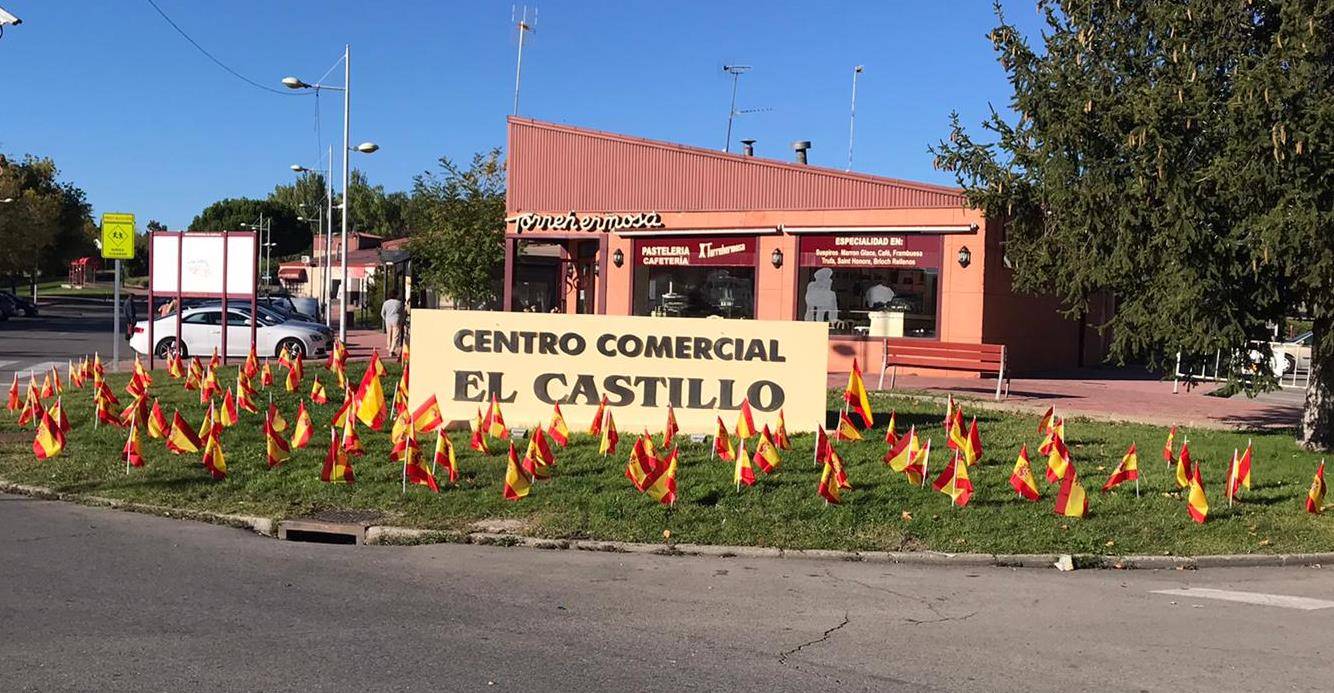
column 891, row 251
column 703, row 367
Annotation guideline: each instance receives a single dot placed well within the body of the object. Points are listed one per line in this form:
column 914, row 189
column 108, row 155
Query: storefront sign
column 703, row 367
column 890, row 251
column 531, row 221
column 720, row 251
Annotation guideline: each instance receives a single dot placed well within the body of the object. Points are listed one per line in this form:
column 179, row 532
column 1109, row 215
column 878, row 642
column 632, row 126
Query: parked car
column 201, row 333
column 299, row 307
column 1292, row 355
column 12, row 304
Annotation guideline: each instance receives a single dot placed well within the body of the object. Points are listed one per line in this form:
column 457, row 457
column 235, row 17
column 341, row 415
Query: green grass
column 590, row 498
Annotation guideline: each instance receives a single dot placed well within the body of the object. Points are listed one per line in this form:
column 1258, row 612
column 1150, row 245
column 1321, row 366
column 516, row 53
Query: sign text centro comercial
column 703, row 367
column 117, row 236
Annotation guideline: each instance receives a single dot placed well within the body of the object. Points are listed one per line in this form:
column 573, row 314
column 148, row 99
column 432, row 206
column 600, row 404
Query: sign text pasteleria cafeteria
column 703, row 367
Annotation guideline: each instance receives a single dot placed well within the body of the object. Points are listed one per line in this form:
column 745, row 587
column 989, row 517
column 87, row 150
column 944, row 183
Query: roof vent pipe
column 750, row 147
column 800, row 146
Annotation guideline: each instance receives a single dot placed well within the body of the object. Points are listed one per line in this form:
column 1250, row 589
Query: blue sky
column 144, row 123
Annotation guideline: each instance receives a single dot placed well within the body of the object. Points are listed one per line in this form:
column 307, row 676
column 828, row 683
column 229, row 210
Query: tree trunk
column 1317, row 432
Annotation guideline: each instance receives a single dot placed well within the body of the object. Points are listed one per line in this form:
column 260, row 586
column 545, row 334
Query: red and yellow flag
column 427, row 417
column 1184, row 466
column 214, row 460
column 661, row 485
column 1239, row 473
column 1196, row 503
column 558, row 430
column 919, row 461
column 1071, row 501
column 745, row 421
column 157, row 423
column 303, row 428
column 607, row 446
column 478, row 440
column 1127, row 470
column 1058, row 459
column 265, row 374
column 371, row 407
column 352, row 442
column 49, row 440
column 175, row 368
column 642, row 462
column 494, row 423
column 766, row 453
column 891, row 436
column 251, row 365
column 130, row 452
column 228, row 416
column 972, row 450
column 1044, row 424
column 318, row 395
column 444, row 455
column 415, row 470
column 1021, row 478
column 899, row 454
column 277, row 449
column 337, row 467
column 1315, row 496
column 670, row 429
column 13, row 403
column 58, row 415
column 518, row 482
column 780, row 433
column 954, row 482
column 181, row 437
column 539, row 451
column 829, row 489
column 846, row 429
column 855, row 396
column 1168, row 455
column 595, row 428
column 722, row 442
column 742, row 473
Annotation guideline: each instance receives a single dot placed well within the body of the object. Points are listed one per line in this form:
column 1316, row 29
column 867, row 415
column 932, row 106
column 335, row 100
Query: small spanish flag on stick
column 855, row 398
column 1021, row 478
column 1196, row 503
column 1071, row 501
column 1315, row 496
column 1127, row 470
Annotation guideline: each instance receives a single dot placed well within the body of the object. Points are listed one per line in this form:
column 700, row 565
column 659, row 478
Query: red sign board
column 712, row 251
column 872, row 251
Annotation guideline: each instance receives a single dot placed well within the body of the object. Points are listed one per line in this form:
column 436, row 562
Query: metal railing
column 1223, row 370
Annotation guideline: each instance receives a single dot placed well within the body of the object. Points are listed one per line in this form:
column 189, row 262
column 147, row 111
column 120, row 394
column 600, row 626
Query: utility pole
column 736, row 71
column 521, row 21
column 852, row 114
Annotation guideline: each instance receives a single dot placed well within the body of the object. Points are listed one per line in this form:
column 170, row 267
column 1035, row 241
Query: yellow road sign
column 118, row 236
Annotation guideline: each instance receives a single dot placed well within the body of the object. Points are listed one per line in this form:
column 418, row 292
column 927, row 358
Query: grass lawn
column 589, row 497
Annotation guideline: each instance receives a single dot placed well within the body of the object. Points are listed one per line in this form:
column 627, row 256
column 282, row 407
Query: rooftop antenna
column 521, row 21
column 852, row 114
column 736, row 71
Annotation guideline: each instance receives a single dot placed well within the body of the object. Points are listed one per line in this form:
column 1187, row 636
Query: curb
column 390, row 535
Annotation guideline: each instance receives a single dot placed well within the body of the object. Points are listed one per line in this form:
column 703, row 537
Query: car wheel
column 1289, row 364
column 293, row 346
column 166, row 346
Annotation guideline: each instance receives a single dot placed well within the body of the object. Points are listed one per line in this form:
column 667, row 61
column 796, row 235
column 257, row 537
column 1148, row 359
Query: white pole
column 852, row 128
column 328, row 240
column 115, row 321
column 518, row 65
column 347, row 208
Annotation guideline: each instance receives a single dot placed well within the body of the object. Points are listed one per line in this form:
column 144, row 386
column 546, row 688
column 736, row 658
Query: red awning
column 292, row 274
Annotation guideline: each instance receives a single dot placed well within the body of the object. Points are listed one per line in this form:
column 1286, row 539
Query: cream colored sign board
column 704, row 367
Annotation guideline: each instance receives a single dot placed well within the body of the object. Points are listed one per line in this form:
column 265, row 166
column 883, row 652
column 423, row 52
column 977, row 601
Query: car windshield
column 1303, row 338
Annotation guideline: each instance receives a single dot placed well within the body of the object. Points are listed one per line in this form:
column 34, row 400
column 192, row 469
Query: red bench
column 948, row 356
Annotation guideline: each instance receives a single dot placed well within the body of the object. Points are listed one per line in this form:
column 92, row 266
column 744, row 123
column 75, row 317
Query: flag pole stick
column 126, row 454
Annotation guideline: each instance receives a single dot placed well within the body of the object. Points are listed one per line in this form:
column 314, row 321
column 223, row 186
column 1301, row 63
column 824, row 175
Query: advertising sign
column 201, row 262
column 871, row 251
column 704, row 367
column 718, row 251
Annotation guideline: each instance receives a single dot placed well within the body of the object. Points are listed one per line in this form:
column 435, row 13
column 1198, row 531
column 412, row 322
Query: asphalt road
column 94, row 599
column 61, row 332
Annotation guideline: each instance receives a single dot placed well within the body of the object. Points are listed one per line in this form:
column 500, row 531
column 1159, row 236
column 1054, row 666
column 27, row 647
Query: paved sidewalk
column 1118, row 394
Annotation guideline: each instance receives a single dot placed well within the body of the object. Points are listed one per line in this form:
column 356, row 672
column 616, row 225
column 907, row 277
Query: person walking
column 392, row 313
column 127, row 312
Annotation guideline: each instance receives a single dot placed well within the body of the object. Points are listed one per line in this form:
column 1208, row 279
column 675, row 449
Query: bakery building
column 610, row 224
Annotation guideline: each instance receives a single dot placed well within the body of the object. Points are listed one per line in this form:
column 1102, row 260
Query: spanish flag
column 251, row 366
column 495, row 421
column 1127, row 470
column 303, row 429
column 741, row 471
column 1168, row 455
column 49, row 440
column 181, row 437
column 670, row 429
column 245, row 395
column 228, row 416
column 899, row 454
column 427, row 417
column 609, row 437
column 517, row 480
column 130, row 452
column 292, row 380
column 400, row 403
column 351, row 442
column 337, row 467
column 279, row 423
column 954, row 482
column 766, row 453
column 1057, row 430
column 32, row 408
column 175, row 368
column 376, row 365
column 539, row 449
column 345, row 410
column 444, row 455
column 1184, row 466
column 1315, row 496
column 846, row 429
column 780, row 434
column 642, row 463
column 47, row 392
column 1021, row 478
column 277, row 449
column 371, row 408
column 157, row 423
column 891, row 437
column 823, row 448
column 478, row 440
column 956, row 435
column 136, row 412
column 829, row 489
column 595, row 428
column 1071, row 501
column 855, row 396
column 558, row 431
column 1044, row 424
column 265, row 374
column 284, row 358
column 398, row 433
column 58, row 415
column 745, row 421
column 972, row 452
column 661, row 485
column 919, row 462
column 722, row 442
column 317, row 393
column 13, row 403
column 1058, row 460
column 194, row 376
column 835, row 462
column 1196, row 503
column 1240, row 472
column 214, row 461
column 414, row 467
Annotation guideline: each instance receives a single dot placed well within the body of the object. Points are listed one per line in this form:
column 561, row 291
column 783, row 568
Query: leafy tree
column 303, row 197
column 458, row 221
column 47, row 224
column 288, row 234
column 1176, row 155
column 373, row 210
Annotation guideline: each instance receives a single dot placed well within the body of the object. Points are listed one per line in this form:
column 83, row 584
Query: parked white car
column 201, row 333
column 1294, row 354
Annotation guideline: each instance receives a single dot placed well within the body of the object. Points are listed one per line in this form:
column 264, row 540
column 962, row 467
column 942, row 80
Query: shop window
column 695, row 277
column 875, row 286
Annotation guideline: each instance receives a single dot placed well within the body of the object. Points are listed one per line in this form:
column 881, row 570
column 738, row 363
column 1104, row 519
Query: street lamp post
column 325, row 227
column 365, row 148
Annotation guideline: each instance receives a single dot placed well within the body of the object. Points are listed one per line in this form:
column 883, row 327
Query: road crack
column 782, row 656
column 942, row 619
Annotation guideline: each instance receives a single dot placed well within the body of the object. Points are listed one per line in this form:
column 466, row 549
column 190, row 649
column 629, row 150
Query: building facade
column 604, row 223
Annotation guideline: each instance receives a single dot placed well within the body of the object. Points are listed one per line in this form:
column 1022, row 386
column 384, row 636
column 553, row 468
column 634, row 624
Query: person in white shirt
column 393, row 312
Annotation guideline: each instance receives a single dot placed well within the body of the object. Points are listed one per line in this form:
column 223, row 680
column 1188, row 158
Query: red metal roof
column 559, row 168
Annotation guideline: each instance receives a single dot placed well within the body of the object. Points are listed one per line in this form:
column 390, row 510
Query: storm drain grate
column 322, row 532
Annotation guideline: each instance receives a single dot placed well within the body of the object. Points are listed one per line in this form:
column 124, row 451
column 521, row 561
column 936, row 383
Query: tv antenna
column 525, row 25
column 736, row 71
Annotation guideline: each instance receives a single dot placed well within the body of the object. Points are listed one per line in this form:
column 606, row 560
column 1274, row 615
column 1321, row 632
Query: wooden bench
column 947, row 356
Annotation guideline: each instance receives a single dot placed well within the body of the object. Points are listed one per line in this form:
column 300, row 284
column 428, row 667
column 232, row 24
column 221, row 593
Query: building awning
column 292, row 274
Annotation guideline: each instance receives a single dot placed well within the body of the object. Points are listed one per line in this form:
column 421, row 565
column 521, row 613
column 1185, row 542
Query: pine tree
column 1178, row 156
